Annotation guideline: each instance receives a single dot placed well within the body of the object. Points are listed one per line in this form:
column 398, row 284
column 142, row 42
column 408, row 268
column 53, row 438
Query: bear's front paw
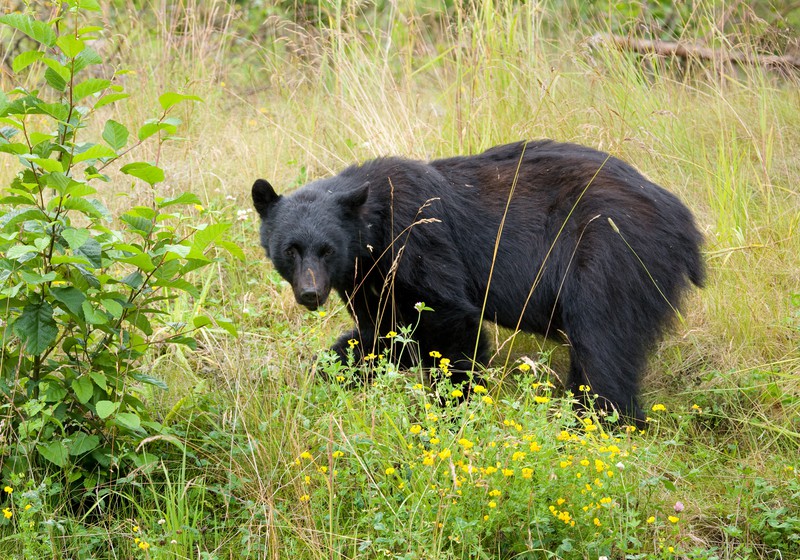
column 348, row 348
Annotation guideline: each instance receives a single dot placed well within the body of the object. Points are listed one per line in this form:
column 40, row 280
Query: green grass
column 270, row 461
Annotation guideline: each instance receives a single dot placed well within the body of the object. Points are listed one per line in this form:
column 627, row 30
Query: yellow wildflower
column 527, row 473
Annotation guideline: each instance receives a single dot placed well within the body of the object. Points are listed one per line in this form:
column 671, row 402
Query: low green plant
column 411, row 470
column 81, row 290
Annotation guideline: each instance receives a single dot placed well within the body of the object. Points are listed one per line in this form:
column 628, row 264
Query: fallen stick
column 688, row 50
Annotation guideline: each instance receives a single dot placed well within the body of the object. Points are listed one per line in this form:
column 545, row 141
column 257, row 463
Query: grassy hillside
column 268, row 460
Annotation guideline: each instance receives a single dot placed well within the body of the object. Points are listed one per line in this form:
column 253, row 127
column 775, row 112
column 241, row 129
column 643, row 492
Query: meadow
column 208, row 430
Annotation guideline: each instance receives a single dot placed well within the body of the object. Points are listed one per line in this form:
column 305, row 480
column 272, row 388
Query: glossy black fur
column 590, row 250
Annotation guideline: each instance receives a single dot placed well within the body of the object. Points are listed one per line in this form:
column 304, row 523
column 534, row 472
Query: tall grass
column 291, row 103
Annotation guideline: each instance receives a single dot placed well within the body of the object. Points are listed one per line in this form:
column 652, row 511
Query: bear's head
column 311, row 236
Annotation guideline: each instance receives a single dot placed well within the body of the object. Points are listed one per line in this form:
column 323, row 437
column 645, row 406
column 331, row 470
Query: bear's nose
column 309, row 298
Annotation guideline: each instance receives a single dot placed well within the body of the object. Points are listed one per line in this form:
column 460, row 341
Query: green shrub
column 82, row 290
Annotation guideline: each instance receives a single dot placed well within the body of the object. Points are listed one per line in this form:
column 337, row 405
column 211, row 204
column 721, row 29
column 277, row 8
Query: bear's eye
column 291, row 252
column 327, row 251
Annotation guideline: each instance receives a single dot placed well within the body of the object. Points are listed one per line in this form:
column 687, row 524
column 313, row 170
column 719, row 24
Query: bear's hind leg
column 605, row 357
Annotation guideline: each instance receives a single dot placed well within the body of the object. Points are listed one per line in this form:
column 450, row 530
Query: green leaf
column 110, row 98
column 53, row 452
column 17, row 251
column 140, row 321
column 84, row 388
column 226, row 325
column 105, row 408
column 60, row 70
column 95, row 151
column 181, row 251
column 83, row 443
column 148, row 129
column 82, row 205
column 150, row 380
column 144, row 171
column 115, row 134
column 92, row 250
column 59, row 181
column 183, row 198
column 170, row 99
column 36, row 30
column 87, row 57
column 68, row 259
column 232, row 248
column 10, row 219
column 13, row 148
column 54, row 80
column 69, row 45
column 59, row 111
column 75, row 237
column 100, row 379
column 36, row 327
column 52, row 391
column 93, row 316
column 31, row 278
column 49, row 165
column 89, row 87
column 204, row 237
column 72, row 298
column 140, row 225
column 25, row 59
column 92, row 5
column 141, row 261
column 129, row 420
column 112, row 306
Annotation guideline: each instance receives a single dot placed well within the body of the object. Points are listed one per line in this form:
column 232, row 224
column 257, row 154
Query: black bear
column 544, row 237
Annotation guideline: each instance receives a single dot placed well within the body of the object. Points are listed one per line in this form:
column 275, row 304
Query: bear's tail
column 695, row 264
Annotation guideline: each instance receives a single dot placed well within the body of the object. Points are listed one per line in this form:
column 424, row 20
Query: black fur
column 587, row 248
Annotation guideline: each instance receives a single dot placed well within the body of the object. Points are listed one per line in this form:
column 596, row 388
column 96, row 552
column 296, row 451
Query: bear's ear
column 264, row 197
column 356, row 198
